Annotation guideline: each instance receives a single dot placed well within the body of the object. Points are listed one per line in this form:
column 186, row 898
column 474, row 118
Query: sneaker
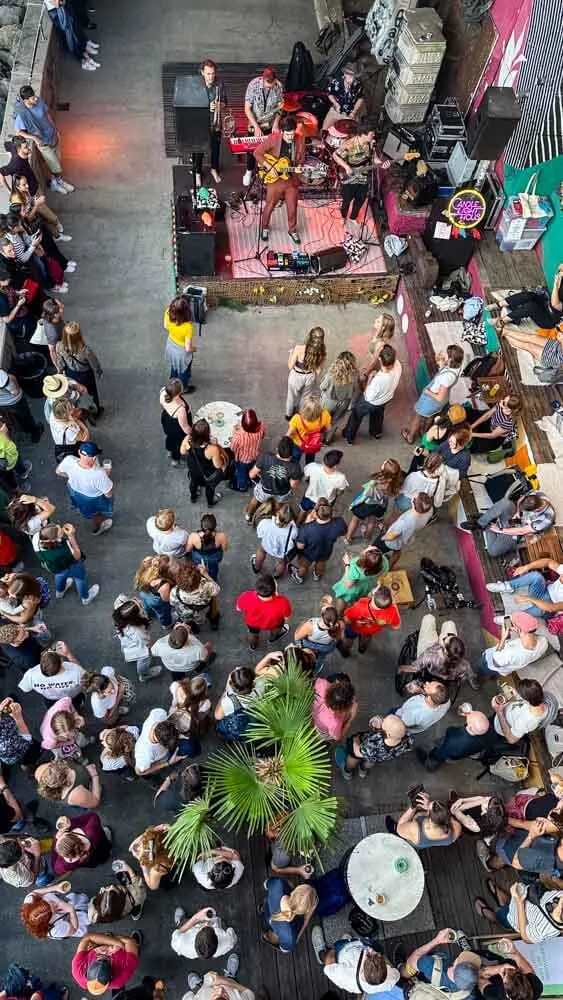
column 179, row 916
column 58, row 185
column 279, row 635
column 231, row 967
column 500, row 587
column 265, row 235
column 69, row 188
column 253, row 564
column 63, row 238
column 484, row 853
column 194, row 981
column 318, row 942
column 362, row 773
column 137, row 912
column 92, row 47
column 292, row 570
column 174, row 464
column 216, row 176
column 294, row 235
column 103, row 527
column 60, row 594
column 28, row 466
column 60, row 289
column 151, row 672
column 71, row 267
column 340, row 760
column 138, row 938
column 248, row 518
column 92, row 594
column 316, row 577
column 216, row 499
column 89, row 64
column 247, row 179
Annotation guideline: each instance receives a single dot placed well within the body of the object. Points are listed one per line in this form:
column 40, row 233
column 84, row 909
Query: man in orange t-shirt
column 367, row 617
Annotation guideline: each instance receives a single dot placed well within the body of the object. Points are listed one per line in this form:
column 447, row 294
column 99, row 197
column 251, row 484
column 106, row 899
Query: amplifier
column 191, row 113
column 331, row 259
column 493, row 123
column 447, row 120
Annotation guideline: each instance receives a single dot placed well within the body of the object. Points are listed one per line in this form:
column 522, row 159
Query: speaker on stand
column 493, row 124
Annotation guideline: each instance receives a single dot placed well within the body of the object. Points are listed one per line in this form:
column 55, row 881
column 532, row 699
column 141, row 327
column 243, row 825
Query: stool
column 398, row 582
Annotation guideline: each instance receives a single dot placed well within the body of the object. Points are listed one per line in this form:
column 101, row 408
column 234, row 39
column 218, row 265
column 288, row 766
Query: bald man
column 458, row 742
column 386, row 738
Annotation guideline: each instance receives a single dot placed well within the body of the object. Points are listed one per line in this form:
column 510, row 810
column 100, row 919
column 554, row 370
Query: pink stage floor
column 320, row 226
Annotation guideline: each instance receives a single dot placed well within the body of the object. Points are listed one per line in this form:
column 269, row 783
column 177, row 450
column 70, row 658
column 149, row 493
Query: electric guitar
column 276, row 168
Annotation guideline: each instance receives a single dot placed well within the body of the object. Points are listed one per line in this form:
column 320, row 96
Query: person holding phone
column 204, row 936
column 518, row 646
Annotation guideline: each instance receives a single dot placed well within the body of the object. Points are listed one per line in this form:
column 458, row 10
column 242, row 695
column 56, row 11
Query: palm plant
column 191, row 834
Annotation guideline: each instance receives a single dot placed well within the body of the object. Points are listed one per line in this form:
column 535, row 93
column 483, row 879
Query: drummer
column 346, row 95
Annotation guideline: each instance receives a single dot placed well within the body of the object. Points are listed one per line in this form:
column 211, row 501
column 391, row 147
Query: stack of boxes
column 414, row 67
column 518, row 232
column 442, row 131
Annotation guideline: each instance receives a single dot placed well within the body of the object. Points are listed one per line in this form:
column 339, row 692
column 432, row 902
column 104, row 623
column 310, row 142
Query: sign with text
column 466, row 209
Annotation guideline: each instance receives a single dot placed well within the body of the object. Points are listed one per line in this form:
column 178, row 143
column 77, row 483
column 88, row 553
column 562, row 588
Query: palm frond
column 305, row 764
column 238, row 794
column 191, row 834
column 311, row 823
column 283, row 708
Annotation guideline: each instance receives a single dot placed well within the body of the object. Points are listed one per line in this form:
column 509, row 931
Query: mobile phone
column 507, row 621
column 209, row 914
column 36, row 235
column 413, row 793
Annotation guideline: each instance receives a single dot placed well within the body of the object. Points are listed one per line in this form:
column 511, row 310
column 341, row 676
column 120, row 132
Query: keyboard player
column 262, row 107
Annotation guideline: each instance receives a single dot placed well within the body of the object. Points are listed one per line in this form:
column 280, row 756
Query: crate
column 512, row 246
column 402, row 114
column 447, row 121
column 420, row 38
column 410, row 94
column 419, row 74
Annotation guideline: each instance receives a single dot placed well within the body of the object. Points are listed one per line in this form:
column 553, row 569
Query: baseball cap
column 98, row 976
column 89, row 448
column 4, row 378
column 466, row 970
column 524, row 621
column 55, row 386
column 269, row 74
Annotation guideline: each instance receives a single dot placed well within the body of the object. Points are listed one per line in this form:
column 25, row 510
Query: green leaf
column 190, row 834
column 306, row 764
column 284, row 707
column 239, row 796
column 312, row 822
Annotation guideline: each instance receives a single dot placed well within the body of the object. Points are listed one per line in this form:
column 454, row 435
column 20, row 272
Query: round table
column 222, row 418
column 385, row 876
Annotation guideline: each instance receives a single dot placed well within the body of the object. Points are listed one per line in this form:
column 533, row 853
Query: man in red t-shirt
column 105, row 961
column 367, row 617
column 264, row 610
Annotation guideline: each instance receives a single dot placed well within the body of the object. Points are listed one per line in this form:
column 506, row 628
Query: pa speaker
column 191, row 112
column 493, row 123
column 195, row 253
column 331, row 259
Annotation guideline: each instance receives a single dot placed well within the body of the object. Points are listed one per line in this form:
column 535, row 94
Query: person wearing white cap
column 13, row 399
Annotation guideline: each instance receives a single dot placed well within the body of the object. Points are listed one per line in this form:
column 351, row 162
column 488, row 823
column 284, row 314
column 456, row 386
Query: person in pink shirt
column 105, row 961
column 60, row 730
column 335, row 706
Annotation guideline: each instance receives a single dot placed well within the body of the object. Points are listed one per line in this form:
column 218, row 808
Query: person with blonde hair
column 307, row 429
column 383, row 332
column 77, row 361
column 286, row 912
column 168, row 539
column 338, row 388
column 60, row 730
column 305, row 364
column 73, row 783
column 153, row 582
column 67, row 429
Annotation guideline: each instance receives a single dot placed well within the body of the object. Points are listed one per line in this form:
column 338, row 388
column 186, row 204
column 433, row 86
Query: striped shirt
column 552, row 354
column 501, row 419
column 246, row 445
column 538, row 927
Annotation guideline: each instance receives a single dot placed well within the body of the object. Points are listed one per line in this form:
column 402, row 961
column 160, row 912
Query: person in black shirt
column 20, row 165
column 217, row 97
column 279, row 475
column 14, row 309
column 316, row 540
column 512, row 979
column 18, row 647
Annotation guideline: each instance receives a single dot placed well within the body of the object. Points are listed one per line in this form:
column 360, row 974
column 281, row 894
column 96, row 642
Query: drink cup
column 465, row 708
column 107, row 465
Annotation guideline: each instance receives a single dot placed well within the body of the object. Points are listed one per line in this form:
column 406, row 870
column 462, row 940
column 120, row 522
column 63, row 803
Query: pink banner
column 511, row 21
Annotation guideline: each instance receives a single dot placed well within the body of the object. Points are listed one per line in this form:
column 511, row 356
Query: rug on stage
column 320, row 226
column 351, row 831
column 235, row 76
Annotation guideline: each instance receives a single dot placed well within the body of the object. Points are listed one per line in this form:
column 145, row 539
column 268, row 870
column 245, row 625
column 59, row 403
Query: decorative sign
column 466, row 209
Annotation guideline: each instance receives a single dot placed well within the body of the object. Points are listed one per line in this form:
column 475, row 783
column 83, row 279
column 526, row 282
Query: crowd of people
column 302, row 514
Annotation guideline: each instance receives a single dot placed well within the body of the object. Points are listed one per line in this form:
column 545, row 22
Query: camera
column 442, row 581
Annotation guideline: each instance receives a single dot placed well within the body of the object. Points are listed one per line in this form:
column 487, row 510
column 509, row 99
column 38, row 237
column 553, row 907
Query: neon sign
column 466, row 209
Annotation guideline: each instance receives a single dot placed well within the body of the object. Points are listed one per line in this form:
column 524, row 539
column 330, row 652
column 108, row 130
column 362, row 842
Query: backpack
column 432, row 991
column 311, row 441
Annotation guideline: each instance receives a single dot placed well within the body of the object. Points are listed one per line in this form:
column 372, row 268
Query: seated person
column 549, row 353
column 421, row 185
column 423, row 710
column 346, row 96
column 458, row 741
column 522, row 713
column 527, row 845
column 439, row 657
column 506, row 524
column 432, row 964
column 534, row 919
column 543, row 599
column 539, row 306
column 512, row 979
column 518, row 647
column 426, row 823
column 495, row 426
column 220, row 868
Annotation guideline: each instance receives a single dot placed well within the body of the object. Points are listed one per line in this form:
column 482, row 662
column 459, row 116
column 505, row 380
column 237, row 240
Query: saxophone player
column 217, row 97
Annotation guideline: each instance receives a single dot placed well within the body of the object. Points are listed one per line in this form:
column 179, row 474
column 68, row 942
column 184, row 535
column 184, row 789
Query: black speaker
column 331, row 259
column 492, row 124
column 191, row 112
column 195, row 242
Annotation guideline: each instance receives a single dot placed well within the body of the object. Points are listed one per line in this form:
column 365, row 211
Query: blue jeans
column 482, row 668
column 143, row 665
column 242, row 478
column 184, row 375
column 456, row 745
column 501, row 913
column 76, row 572
column 534, row 582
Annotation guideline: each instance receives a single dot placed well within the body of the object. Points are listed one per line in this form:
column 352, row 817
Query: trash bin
column 30, row 369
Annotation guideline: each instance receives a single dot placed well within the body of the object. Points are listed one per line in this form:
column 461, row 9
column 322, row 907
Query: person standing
column 323, row 481
column 78, row 362
column 338, row 388
column 264, row 610
column 305, row 363
column 290, row 146
column 105, row 961
column 316, row 540
column 59, row 553
column 262, row 106
column 245, row 445
column 355, row 157
column 207, row 463
column 132, row 627
column 180, row 349
column 89, row 487
column 175, row 418
column 367, row 617
column 13, row 400
column 34, row 122
column 217, row 98
column 65, row 21
column 277, row 474
column 379, row 391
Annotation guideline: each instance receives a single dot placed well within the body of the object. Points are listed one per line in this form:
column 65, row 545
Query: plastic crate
column 420, row 38
column 419, row 74
column 409, row 94
column 402, row 114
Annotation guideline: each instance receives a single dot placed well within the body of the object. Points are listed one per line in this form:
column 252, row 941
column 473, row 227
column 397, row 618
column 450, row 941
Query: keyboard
column 244, row 143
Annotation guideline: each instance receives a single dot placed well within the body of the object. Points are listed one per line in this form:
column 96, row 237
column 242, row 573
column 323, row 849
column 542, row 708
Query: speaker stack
column 493, row 124
column 194, row 237
column 191, row 114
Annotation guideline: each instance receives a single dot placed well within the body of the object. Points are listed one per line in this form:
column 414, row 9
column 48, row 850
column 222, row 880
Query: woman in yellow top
column 179, row 346
column 307, row 428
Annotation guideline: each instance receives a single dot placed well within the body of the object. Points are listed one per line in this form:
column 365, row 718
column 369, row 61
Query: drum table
column 385, row 876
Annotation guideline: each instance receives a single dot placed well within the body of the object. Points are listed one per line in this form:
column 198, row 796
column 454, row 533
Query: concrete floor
column 119, row 217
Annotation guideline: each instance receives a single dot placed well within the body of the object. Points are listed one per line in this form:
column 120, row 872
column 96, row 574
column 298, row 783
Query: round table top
column 385, row 876
column 222, row 418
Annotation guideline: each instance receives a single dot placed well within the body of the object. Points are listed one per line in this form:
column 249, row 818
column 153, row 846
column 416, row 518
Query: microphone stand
column 258, row 252
column 373, row 176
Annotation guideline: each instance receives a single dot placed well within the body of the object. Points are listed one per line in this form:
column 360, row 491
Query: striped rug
column 320, row 226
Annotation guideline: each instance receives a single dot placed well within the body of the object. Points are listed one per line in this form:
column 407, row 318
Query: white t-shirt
column 146, row 753
column 183, row 943
column 381, row 388
column 116, row 763
column 204, row 707
column 102, row 703
column 33, row 525
column 275, row 540
column 518, row 715
column 555, row 589
column 514, row 656
column 89, row 482
column 134, row 642
column 188, row 657
column 167, row 543
column 344, row 973
column 321, row 484
column 58, row 429
column 201, row 869
column 64, row 684
column 416, row 713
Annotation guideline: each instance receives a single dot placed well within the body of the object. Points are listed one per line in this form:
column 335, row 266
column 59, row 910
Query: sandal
column 492, row 889
column 406, row 436
column 483, row 910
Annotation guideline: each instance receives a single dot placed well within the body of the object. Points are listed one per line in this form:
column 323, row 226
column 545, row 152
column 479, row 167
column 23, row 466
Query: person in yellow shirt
column 306, row 429
column 13, row 469
column 179, row 346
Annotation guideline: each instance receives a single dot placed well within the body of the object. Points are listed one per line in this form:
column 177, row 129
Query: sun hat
column 55, row 386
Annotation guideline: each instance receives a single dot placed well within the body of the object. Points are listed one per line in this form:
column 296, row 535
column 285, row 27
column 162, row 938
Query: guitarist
column 355, row 157
column 262, row 106
column 289, row 146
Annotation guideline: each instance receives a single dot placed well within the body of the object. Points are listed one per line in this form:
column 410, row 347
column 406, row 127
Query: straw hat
column 55, row 386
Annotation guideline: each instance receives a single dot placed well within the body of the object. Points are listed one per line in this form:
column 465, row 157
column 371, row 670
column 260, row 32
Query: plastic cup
column 465, row 708
column 107, row 465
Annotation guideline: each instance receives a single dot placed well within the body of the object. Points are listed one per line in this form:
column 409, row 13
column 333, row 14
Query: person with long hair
column 28, row 513
column 194, row 597
column 370, row 504
column 59, row 553
column 338, row 388
column 180, row 788
column 426, row 823
column 60, row 730
column 77, row 361
column 111, row 695
column 286, row 913
column 132, row 628
column 70, row 782
column 494, row 427
column 25, row 590
column 335, row 706
column 32, row 201
column 67, row 429
column 305, row 364
column 276, row 538
column 118, row 749
column 245, row 445
column 55, row 912
column 123, row 898
column 307, row 428
column 360, row 576
column 191, row 706
column 80, row 842
column 179, row 350
column 435, row 396
column 153, row 856
column 207, row 463
column 383, row 331
column 208, row 545
column 321, row 633
column 153, row 582
column 175, row 418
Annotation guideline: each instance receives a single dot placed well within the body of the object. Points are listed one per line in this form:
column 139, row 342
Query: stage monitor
column 191, row 113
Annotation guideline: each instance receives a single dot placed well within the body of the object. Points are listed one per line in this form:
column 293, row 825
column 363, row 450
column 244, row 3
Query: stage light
column 207, row 219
